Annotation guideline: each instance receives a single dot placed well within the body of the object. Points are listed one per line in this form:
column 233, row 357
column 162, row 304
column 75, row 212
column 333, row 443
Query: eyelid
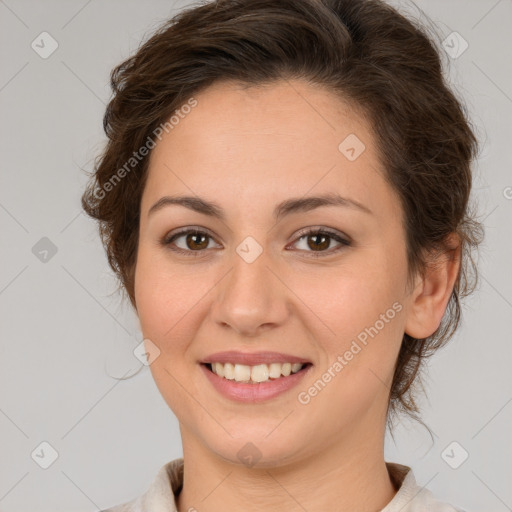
column 168, row 238
column 342, row 239
column 324, row 230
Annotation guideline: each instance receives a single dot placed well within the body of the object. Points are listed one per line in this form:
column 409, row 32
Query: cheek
column 170, row 299
column 157, row 293
column 346, row 300
column 365, row 316
column 168, row 307
column 358, row 323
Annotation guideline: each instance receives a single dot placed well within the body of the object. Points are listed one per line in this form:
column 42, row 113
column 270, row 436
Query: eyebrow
column 288, row 207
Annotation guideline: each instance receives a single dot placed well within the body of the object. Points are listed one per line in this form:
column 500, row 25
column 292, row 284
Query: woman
column 284, row 197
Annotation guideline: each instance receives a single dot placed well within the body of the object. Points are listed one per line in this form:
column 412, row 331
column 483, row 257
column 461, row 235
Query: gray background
column 66, row 337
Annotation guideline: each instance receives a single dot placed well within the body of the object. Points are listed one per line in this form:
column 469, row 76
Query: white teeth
column 229, row 370
column 242, row 372
column 218, row 369
column 259, row 373
column 253, row 374
column 275, row 370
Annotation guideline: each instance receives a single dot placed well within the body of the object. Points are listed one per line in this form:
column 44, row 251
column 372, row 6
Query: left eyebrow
column 288, row 207
column 306, row 204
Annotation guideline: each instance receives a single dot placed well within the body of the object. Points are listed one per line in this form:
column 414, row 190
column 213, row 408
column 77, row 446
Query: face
column 269, row 269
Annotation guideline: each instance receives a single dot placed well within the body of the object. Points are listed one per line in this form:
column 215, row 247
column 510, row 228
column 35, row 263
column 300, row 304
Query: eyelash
column 169, row 239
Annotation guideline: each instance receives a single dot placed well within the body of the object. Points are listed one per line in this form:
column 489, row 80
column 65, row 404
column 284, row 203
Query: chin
column 259, row 453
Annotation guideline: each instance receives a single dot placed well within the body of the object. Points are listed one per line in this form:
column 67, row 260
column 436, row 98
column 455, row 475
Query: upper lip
column 252, row 359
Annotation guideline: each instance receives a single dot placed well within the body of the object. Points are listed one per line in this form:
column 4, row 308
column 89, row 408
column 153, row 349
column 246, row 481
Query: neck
column 344, row 476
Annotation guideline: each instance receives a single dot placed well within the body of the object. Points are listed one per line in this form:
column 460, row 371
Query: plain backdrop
column 67, row 338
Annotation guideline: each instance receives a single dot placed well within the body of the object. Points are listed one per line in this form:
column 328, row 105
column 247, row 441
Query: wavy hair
column 364, row 51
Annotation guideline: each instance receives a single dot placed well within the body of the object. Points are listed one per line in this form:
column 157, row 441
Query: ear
column 432, row 292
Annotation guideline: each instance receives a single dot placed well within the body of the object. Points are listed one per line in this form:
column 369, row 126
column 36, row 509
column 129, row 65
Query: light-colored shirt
column 161, row 494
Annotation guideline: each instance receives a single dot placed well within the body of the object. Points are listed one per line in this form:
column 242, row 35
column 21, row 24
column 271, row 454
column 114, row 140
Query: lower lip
column 251, row 393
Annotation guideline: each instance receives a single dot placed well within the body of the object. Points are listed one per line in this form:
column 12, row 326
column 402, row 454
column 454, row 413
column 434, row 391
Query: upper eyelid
column 333, row 233
column 187, row 230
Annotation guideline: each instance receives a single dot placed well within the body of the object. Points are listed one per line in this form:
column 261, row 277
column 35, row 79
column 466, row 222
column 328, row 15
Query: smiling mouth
column 255, row 374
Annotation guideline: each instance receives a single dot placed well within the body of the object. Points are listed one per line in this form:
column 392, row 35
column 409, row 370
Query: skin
column 248, row 149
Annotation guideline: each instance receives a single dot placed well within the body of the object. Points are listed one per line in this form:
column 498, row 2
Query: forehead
column 281, row 139
column 280, row 114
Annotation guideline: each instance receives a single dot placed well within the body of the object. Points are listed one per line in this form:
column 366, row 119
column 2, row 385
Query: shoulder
column 161, row 493
column 410, row 497
column 135, row 505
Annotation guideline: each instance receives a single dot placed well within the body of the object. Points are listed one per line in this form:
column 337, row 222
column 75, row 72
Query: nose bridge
column 250, row 297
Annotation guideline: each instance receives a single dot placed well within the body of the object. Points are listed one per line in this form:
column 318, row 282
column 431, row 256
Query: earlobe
column 433, row 291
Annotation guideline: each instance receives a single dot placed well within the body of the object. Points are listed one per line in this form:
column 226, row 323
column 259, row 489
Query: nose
column 251, row 299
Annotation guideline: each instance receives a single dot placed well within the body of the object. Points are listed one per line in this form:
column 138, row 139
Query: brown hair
column 362, row 50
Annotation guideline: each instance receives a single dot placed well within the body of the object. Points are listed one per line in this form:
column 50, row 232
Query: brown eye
column 196, row 241
column 193, row 242
column 188, row 241
column 318, row 241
